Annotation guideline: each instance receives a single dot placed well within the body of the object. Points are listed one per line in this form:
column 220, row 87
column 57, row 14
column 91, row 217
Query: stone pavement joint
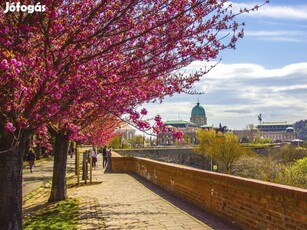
column 124, row 201
column 90, row 215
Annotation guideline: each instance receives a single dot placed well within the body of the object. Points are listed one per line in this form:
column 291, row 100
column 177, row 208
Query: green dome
column 198, row 110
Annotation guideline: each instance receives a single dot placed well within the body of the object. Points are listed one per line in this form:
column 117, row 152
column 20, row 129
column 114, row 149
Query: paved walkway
column 123, row 201
column 41, row 173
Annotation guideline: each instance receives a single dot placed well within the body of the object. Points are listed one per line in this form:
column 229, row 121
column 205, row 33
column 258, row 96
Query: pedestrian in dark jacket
column 104, row 156
column 31, row 158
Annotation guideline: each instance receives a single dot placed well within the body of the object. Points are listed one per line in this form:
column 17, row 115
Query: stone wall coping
column 297, row 193
column 115, row 154
column 156, row 148
column 252, row 204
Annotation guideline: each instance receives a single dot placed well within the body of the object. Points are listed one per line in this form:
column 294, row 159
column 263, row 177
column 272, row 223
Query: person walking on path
column 31, row 158
column 109, row 154
column 71, row 150
column 104, row 157
column 94, row 158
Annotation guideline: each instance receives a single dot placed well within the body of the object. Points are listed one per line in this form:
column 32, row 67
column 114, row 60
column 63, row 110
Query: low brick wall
column 182, row 156
column 251, row 204
column 122, row 164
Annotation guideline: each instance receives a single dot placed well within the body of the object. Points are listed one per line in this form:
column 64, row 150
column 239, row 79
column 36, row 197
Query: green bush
column 288, row 154
column 296, row 175
column 256, row 167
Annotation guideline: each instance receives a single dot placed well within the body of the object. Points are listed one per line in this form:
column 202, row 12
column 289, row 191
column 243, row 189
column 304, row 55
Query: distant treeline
column 301, row 128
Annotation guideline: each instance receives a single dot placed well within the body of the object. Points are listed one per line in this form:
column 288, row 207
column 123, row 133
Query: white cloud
column 238, row 92
column 278, row 35
column 298, row 12
column 269, row 33
column 250, row 70
column 282, row 39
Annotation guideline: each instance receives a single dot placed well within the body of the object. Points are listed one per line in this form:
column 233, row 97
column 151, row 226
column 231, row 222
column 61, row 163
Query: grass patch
column 60, row 215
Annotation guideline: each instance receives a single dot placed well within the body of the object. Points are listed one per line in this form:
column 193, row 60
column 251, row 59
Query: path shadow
column 92, row 215
column 76, row 185
column 202, row 215
column 34, row 207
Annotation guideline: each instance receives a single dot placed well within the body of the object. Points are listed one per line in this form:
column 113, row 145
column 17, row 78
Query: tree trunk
column 76, row 159
column 59, row 189
column 11, row 177
column 37, row 151
column 11, row 189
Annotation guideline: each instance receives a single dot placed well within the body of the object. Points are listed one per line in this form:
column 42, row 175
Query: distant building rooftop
column 180, row 123
column 207, row 126
column 275, row 127
column 198, row 110
column 125, row 127
column 275, row 123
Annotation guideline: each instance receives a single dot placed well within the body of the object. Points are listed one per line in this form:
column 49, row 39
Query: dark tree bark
column 37, row 151
column 59, row 189
column 76, row 158
column 11, row 156
column 11, row 189
column 26, row 150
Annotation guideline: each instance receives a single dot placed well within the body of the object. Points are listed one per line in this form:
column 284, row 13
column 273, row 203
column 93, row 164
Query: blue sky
column 267, row 73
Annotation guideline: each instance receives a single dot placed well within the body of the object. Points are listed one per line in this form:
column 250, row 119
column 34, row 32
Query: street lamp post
column 211, row 163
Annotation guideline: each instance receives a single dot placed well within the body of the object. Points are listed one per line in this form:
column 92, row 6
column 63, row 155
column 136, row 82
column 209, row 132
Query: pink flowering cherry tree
column 59, row 65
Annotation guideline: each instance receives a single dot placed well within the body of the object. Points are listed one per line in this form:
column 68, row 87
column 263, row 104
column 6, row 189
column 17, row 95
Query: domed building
column 198, row 115
column 198, row 120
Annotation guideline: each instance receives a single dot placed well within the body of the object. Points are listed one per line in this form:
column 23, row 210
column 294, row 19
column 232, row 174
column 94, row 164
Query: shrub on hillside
column 288, row 154
column 256, row 167
column 296, row 175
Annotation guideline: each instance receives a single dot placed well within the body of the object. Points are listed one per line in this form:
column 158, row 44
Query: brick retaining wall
column 251, row 204
column 182, row 156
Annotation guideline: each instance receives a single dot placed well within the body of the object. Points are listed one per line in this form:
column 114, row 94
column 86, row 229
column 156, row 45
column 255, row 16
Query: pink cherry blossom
column 10, row 127
column 4, row 64
column 83, row 63
column 143, row 111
